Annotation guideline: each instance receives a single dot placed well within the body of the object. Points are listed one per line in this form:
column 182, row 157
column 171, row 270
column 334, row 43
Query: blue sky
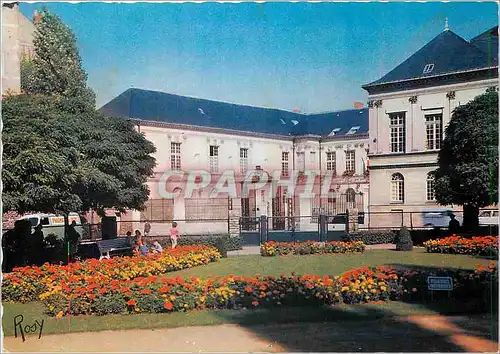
column 311, row 56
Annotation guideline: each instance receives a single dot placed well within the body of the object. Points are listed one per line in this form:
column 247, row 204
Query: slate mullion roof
column 445, row 54
column 161, row 107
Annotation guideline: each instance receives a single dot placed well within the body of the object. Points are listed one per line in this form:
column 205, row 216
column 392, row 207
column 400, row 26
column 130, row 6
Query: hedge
column 272, row 248
column 372, row 237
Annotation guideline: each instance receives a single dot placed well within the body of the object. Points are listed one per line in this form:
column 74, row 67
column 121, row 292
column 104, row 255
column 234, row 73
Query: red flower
column 255, row 303
column 168, row 305
column 146, row 291
column 131, row 302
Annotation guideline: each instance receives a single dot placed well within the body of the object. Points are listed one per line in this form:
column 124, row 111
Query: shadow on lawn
column 375, row 328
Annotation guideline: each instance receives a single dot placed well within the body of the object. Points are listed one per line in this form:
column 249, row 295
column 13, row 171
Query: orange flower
column 146, row 291
column 164, row 289
column 60, row 314
column 168, row 305
column 249, row 289
column 131, row 302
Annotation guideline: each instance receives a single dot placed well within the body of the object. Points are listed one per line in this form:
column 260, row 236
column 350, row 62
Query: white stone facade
column 262, row 151
column 417, row 160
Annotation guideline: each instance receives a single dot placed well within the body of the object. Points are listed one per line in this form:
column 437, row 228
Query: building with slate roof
column 409, row 108
column 198, row 134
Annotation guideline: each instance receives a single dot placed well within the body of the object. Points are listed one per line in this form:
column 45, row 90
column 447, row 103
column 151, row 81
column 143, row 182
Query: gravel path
column 398, row 334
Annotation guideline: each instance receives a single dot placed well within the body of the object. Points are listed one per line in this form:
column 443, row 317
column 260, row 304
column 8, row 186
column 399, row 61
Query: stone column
column 352, row 219
column 234, row 218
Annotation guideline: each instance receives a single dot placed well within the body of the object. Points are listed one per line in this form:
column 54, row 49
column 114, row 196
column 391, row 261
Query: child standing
column 174, row 234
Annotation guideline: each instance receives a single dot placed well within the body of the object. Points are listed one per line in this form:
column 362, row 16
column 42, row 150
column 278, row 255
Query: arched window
column 431, row 196
column 350, row 195
column 397, row 188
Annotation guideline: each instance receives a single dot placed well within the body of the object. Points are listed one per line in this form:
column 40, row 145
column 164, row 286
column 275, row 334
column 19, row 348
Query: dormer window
column 353, row 130
column 334, row 131
column 428, row 68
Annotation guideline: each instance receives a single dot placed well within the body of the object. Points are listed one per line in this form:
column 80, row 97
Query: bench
column 114, row 246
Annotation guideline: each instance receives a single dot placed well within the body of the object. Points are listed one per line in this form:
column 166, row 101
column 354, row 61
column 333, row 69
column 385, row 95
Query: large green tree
column 56, row 67
column 58, row 161
column 468, row 160
column 61, row 155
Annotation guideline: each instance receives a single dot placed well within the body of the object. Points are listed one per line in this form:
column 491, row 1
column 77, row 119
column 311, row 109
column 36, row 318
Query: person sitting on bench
column 142, row 247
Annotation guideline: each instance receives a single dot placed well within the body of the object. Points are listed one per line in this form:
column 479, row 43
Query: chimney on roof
column 296, row 110
column 36, row 17
column 358, row 105
column 446, row 27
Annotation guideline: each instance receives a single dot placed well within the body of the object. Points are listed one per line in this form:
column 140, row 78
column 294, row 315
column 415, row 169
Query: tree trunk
column 66, row 235
column 471, row 218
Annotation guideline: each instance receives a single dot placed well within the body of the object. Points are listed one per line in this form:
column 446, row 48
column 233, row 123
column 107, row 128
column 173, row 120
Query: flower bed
column 154, row 294
column 28, row 283
column 486, row 245
column 272, row 248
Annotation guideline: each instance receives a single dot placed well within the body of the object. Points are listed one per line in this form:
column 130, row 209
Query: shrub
column 234, row 243
column 221, row 244
column 373, row 237
column 404, row 242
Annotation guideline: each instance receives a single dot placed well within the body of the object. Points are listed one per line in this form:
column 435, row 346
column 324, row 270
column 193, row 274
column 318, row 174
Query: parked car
column 53, row 224
column 439, row 218
column 488, row 217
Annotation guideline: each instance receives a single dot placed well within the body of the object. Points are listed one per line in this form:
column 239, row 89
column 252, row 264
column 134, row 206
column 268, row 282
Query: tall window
column 214, row 159
column 397, row 126
column 284, row 163
column 397, row 188
column 312, row 157
column 301, row 161
column 350, row 161
column 175, row 156
column 243, row 160
column 331, row 163
column 434, row 131
column 431, row 196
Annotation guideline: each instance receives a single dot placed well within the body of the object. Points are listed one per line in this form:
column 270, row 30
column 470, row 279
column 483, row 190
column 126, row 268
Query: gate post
column 322, row 227
column 234, row 221
column 347, row 222
column 263, row 228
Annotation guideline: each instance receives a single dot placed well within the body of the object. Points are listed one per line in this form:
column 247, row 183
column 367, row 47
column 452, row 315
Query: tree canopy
column 56, row 67
column 60, row 154
column 57, row 161
column 468, row 160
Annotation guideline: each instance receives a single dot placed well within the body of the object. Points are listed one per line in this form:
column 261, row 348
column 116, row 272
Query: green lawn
column 330, row 264
column 250, row 265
